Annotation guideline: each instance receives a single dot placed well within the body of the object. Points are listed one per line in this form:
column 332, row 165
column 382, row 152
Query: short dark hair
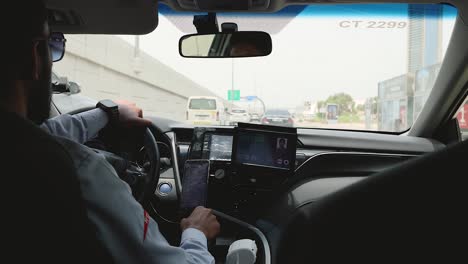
column 29, row 18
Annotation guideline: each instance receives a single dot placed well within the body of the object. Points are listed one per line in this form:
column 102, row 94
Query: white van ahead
column 205, row 110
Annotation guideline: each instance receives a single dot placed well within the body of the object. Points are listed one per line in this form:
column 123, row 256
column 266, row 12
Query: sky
column 313, row 57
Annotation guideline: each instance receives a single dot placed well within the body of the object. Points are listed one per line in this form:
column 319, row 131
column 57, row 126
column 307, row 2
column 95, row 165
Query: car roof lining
column 276, row 5
column 137, row 17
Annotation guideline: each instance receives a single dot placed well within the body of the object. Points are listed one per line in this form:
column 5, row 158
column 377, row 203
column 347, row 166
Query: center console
column 237, row 172
column 246, row 165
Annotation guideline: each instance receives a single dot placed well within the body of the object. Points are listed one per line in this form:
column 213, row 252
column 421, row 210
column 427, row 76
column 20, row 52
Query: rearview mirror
column 226, row 45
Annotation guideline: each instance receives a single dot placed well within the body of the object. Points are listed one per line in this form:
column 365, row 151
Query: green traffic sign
column 234, row 95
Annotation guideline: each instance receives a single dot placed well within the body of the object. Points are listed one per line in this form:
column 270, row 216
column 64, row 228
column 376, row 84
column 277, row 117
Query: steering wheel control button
column 165, row 188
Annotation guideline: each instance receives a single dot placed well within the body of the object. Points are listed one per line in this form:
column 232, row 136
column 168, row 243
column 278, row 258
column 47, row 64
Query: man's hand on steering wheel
column 129, row 134
column 130, row 115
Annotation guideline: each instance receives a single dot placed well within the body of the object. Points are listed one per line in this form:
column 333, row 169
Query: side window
column 462, row 116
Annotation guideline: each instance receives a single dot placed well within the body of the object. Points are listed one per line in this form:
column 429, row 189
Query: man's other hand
column 130, row 115
column 203, row 220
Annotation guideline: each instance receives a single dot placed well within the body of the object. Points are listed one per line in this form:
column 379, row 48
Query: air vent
column 184, row 135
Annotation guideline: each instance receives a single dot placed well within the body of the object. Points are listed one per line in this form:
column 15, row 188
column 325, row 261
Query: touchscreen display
column 265, row 149
column 194, row 184
column 220, row 147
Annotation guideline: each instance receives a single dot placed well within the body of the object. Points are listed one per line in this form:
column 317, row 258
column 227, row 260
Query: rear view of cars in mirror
column 226, row 45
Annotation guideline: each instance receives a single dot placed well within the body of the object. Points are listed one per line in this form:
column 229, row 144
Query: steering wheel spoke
column 145, row 192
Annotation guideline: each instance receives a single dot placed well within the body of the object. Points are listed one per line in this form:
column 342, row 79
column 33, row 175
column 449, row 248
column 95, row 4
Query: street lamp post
column 137, row 63
column 232, row 83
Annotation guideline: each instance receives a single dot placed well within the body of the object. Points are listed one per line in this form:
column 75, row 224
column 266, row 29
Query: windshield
column 203, row 104
column 339, row 66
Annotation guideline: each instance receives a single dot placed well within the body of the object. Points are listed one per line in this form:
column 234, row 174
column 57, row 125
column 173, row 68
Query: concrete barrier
column 105, row 67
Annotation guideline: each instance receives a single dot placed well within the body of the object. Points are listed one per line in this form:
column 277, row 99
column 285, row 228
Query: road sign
column 251, row 97
column 234, row 95
column 463, row 116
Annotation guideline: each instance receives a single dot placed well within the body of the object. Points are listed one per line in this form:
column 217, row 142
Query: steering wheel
column 150, row 178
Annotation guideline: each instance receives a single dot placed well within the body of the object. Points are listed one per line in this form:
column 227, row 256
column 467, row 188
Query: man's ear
column 36, row 62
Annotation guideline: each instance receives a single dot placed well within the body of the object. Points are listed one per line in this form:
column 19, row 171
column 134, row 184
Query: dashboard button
column 219, row 174
column 165, row 188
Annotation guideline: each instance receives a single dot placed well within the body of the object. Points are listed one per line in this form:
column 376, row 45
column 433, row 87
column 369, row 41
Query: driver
column 123, row 226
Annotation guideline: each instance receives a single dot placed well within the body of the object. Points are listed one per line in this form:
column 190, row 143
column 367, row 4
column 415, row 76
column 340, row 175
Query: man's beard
column 40, row 97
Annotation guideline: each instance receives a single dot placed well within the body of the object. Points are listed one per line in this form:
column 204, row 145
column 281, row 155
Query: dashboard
column 246, row 194
column 252, row 193
column 258, row 202
column 252, row 205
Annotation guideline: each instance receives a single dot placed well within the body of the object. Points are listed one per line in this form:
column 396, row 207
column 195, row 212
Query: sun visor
column 122, row 17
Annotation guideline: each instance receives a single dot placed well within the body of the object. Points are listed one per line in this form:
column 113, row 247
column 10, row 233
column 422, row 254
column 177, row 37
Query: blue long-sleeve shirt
column 124, row 228
column 79, row 128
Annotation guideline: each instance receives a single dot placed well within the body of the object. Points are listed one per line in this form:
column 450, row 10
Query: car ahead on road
column 278, row 117
column 238, row 116
column 205, row 110
column 255, row 117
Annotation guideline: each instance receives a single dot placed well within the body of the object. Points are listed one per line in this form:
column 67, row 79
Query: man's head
column 242, row 45
column 242, row 49
column 26, row 85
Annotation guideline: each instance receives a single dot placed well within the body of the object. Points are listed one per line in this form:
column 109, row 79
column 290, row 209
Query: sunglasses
column 57, row 46
column 56, row 42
